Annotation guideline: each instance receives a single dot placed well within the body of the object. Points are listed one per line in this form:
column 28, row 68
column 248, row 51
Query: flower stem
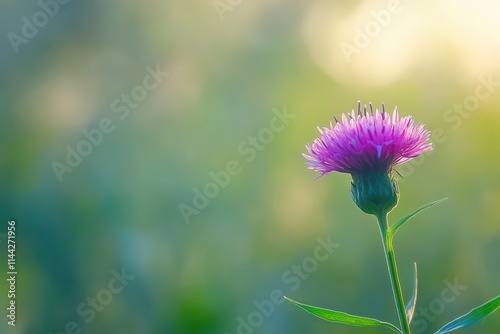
column 393, row 273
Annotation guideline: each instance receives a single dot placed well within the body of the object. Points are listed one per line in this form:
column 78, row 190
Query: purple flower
column 367, row 141
column 368, row 145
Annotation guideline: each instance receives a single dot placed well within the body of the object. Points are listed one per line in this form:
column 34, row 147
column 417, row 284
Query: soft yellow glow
column 473, row 28
column 379, row 42
column 62, row 102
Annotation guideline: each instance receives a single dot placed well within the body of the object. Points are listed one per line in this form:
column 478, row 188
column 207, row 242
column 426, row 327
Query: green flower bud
column 375, row 192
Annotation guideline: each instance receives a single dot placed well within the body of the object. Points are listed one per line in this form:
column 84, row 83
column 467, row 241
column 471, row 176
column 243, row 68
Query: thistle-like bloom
column 368, row 145
column 367, row 141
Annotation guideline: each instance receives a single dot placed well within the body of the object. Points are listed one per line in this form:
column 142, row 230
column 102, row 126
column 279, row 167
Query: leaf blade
column 410, row 308
column 472, row 317
column 394, row 228
column 342, row 317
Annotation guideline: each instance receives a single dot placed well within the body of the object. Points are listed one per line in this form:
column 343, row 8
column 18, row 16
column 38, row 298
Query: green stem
column 393, row 273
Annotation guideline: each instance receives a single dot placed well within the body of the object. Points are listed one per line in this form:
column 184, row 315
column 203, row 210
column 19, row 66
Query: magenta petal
column 363, row 142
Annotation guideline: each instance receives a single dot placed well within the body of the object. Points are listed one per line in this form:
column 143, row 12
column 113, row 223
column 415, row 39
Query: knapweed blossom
column 368, row 145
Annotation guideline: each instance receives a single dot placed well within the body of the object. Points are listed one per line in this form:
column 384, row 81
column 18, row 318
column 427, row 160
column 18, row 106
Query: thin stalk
column 393, row 273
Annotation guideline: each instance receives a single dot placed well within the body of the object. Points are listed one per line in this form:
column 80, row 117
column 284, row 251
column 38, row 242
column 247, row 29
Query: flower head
column 367, row 141
column 368, row 145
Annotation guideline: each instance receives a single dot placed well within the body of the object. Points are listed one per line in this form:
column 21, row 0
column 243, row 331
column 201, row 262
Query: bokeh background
column 232, row 65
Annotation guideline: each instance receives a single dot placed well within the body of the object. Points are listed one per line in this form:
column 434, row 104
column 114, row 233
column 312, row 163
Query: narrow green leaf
column 410, row 308
column 473, row 317
column 394, row 228
column 335, row 316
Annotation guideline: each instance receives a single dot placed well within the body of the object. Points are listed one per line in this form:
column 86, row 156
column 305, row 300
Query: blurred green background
column 232, row 66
